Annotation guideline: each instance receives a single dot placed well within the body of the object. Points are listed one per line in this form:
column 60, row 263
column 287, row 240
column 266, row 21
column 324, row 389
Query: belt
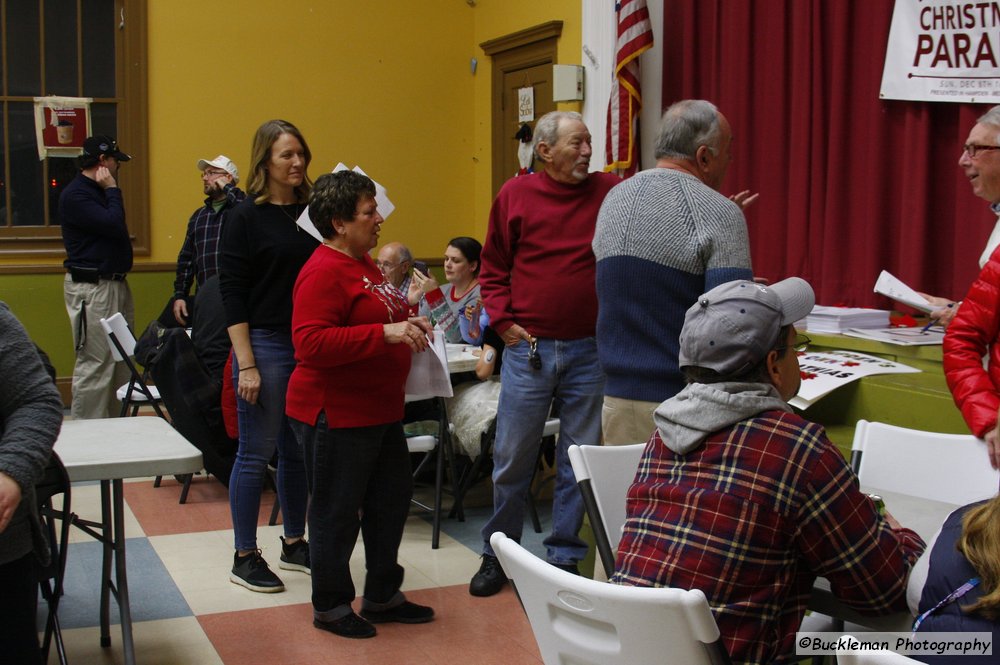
column 91, row 276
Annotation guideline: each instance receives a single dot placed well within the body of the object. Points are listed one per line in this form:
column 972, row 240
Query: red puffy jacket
column 974, row 332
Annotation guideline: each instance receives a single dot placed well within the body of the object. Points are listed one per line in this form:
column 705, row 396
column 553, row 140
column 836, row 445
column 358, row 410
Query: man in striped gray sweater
column 664, row 236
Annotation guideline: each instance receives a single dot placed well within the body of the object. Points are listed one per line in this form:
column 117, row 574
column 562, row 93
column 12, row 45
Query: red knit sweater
column 345, row 367
column 538, row 264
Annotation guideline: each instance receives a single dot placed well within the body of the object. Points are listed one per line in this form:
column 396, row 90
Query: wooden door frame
column 526, row 48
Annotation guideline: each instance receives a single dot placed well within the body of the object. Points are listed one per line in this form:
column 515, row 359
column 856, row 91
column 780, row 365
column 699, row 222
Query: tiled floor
column 186, row 611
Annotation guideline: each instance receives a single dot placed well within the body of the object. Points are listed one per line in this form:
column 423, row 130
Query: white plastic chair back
column 609, row 472
column 951, row 468
column 873, row 657
column 116, row 325
column 579, row 621
column 424, row 443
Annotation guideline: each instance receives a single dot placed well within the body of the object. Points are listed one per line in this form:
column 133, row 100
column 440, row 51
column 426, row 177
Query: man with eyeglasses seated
column 395, row 261
column 738, row 496
column 199, row 255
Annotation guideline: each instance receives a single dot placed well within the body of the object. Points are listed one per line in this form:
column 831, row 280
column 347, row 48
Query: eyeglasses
column 973, row 149
column 385, row 265
column 212, row 174
column 534, row 359
column 800, row 343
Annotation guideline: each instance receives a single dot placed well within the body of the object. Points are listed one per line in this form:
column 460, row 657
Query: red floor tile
column 484, row 631
column 207, row 508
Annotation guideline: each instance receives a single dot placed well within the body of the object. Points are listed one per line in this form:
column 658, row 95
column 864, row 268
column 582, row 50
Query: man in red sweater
column 537, row 282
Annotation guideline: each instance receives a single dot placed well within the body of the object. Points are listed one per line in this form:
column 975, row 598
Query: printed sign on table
column 824, row 372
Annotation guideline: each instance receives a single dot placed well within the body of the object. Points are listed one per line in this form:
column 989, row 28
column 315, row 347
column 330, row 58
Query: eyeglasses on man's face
column 973, row 149
column 385, row 265
column 799, row 345
column 213, row 174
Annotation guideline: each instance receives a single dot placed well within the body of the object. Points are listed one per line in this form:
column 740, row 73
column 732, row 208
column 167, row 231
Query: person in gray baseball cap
column 742, row 498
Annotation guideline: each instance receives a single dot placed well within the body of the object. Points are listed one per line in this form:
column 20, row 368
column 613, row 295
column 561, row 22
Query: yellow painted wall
column 384, row 84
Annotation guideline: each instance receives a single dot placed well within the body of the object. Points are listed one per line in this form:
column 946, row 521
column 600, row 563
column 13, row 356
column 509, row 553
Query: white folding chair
column 951, row 468
column 578, row 621
column 604, row 474
column 869, row 657
column 429, row 445
column 136, row 392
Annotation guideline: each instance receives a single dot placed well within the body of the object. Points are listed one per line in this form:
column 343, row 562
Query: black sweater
column 262, row 251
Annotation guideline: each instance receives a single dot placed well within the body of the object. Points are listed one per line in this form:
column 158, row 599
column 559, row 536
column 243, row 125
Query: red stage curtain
column 849, row 184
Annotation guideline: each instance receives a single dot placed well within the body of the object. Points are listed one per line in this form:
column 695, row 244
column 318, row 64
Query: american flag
column 635, row 35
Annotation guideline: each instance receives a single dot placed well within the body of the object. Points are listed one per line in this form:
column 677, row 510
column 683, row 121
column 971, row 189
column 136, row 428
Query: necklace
column 296, row 206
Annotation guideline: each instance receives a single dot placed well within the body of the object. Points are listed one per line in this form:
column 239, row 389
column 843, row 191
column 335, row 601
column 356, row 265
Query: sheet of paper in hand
column 429, row 375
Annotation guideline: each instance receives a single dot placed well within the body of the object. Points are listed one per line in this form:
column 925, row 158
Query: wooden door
column 521, row 59
column 538, row 77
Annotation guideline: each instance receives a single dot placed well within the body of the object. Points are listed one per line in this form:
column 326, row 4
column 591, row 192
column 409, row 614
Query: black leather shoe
column 406, row 612
column 350, row 625
column 490, row 578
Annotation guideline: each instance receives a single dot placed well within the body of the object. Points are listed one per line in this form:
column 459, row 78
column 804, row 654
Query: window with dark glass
column 70, row 48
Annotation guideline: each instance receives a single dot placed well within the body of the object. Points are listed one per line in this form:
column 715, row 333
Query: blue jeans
column 571, row 376
column 359, row 479
column 264, row 428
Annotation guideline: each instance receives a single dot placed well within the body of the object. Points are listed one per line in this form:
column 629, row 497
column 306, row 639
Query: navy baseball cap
column 102, row 144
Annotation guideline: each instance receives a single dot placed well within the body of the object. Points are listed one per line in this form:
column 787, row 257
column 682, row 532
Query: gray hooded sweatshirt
column 701, row 409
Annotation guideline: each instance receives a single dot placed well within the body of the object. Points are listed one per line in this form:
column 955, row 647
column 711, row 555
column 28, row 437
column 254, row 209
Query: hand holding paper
column 415, row 333
column 429, row 375
column 889, row 285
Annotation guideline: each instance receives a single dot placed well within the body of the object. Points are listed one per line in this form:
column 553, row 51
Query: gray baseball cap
column 732, row 327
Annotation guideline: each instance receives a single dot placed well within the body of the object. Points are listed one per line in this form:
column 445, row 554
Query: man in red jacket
column 980, row 162
column 975, row 330
column 537, row 282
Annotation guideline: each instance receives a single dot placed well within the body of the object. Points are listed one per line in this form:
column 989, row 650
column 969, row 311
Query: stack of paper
column 840, row 319
column 901, row 336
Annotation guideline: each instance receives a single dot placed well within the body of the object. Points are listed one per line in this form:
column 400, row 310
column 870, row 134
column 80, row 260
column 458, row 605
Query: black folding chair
column 54, row 484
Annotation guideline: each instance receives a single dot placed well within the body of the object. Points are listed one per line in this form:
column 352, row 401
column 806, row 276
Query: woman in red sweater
column 353, row 337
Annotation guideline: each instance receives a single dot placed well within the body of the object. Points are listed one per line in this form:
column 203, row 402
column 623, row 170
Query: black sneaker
column 406, row 612
column 295, row 556
column 350, row 625
column 251, row 571
column 568, row 567
column 490, row 578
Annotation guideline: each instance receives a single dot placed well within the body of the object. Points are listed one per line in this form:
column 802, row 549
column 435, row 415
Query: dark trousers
column 18, row 633
column 359, row 479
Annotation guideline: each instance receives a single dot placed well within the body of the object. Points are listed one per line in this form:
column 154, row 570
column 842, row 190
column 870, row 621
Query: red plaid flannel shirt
column 751, row 518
